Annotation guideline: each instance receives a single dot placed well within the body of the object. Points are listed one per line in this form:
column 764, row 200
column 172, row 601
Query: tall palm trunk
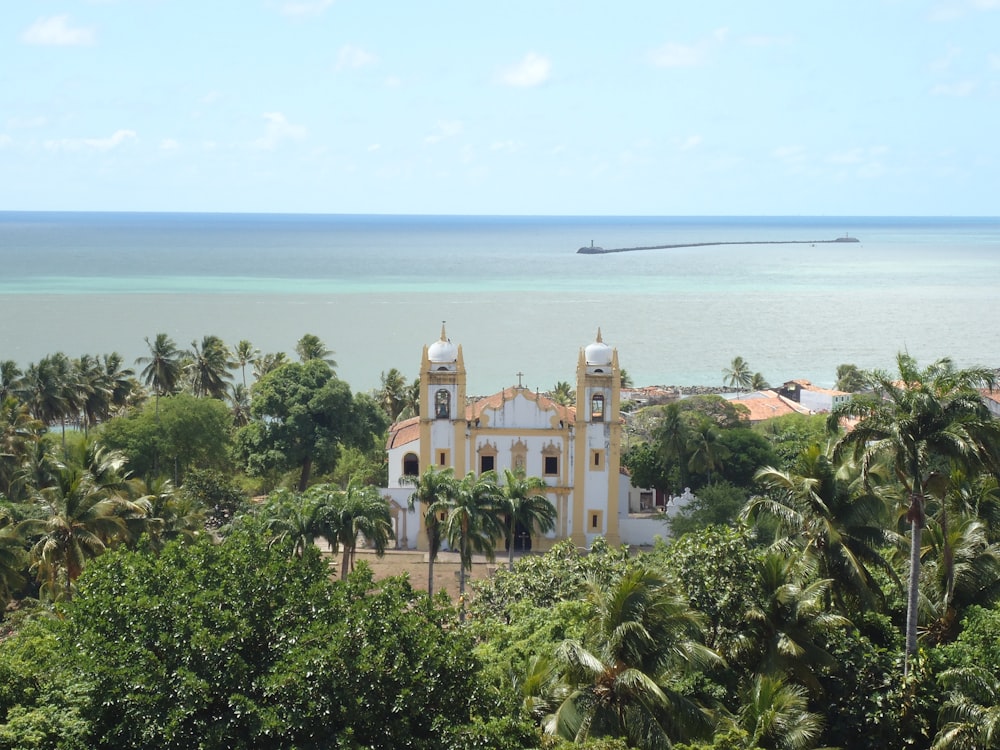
column 510, row 545
column 916, row 517
column 430, row 575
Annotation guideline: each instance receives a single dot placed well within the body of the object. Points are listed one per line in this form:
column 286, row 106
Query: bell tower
column 597, row 445
column 442, row 406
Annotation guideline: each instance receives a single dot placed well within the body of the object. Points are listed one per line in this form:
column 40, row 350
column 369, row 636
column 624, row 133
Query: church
column 576, row 450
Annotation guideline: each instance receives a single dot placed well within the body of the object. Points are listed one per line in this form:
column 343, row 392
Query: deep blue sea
column 512, row 290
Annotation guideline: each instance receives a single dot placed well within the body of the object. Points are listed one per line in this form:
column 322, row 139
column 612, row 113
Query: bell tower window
column 597, row 407
column 442, row 404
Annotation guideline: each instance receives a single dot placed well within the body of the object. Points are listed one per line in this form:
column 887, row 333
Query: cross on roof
column 519, row 376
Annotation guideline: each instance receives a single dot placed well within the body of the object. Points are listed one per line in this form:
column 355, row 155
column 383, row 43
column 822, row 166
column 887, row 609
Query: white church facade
column 576, row 450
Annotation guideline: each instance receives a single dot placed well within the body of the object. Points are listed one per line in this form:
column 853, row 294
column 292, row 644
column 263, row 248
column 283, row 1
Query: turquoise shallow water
column 513, row 290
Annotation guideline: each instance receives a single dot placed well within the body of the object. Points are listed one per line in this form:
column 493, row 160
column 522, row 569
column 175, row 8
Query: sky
column 520, row 107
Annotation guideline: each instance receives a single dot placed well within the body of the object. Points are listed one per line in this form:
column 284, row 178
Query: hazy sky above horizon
column 882, row 107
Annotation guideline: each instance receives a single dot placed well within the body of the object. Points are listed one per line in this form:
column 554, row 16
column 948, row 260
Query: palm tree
column 970, row 717
column 844, row 531
column 705, row 452
column 433, row 491
column 472, row 523
column 787, row 626
column 13, row 558
column 50, row 390
column 303, row 518
column 19, row 433
column 620, row 681
column 83, row 517
column 776, row 714
column 914, row 422
column 172, row 516
column 526, row 506
column 738, row 375
column 266, row 363
column 120, row 381
column 162, row 369
column 310, row 346
column 672, row 435
column 563, row 393
column 239, row 404
column 360, row 509
column 961, row 568
column 244, row 353
column 10, row 379
column 391, row 395
column 758, row 382
column 209, row 368
column 94, row 390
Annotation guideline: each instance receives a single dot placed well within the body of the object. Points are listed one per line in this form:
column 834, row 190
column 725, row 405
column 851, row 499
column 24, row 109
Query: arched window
column 442, row 404
column 597, row 407
column 411, row 465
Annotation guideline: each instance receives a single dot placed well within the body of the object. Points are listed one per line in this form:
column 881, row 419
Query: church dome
column 598, row 353
column 442, row 350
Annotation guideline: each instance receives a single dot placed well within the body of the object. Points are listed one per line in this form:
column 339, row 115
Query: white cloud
column 302, row 8
column 532, row 70
column 91, row 144
column 375, row 147
column 959, row 89
column 944, row 62
column 27, row 123
column 692, row 141
column 278, row 129
column 672, row 55
column 169, row 144
column 994, row 61
column 56, row 31
column 5, row 140
column 445, row 129
column 507, row 146
column 350, row 57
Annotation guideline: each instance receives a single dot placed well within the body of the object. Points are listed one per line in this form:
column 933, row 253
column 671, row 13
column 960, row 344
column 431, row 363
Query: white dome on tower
column 442, row 350
column 598, row 353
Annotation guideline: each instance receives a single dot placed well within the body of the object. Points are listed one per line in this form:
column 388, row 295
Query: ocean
column 512, row 291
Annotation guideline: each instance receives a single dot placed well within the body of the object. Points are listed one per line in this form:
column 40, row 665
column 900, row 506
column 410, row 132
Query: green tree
column 302, row 415
column 51, row 391
column 738, row 375
column 433, row 491
column 850, row 379
column 391, row 394
column 84, row 513
column 360, row 510
column 970, row 717
column 844, row 531
column 563, row 393
column 162, row 368
column 208, row 368
column 472, row 522
column 776, row 714
column 10, row 379
column 622, row 679
column 266, row 363
column 527, row 508
column 243, row 354
column 302, row 518
column 186, row 650
column 914, row 421
column 183, row 431
column 310, row 347
column 786, row 628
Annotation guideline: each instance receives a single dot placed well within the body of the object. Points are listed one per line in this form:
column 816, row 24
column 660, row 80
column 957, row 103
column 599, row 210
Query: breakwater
column 596, row 250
